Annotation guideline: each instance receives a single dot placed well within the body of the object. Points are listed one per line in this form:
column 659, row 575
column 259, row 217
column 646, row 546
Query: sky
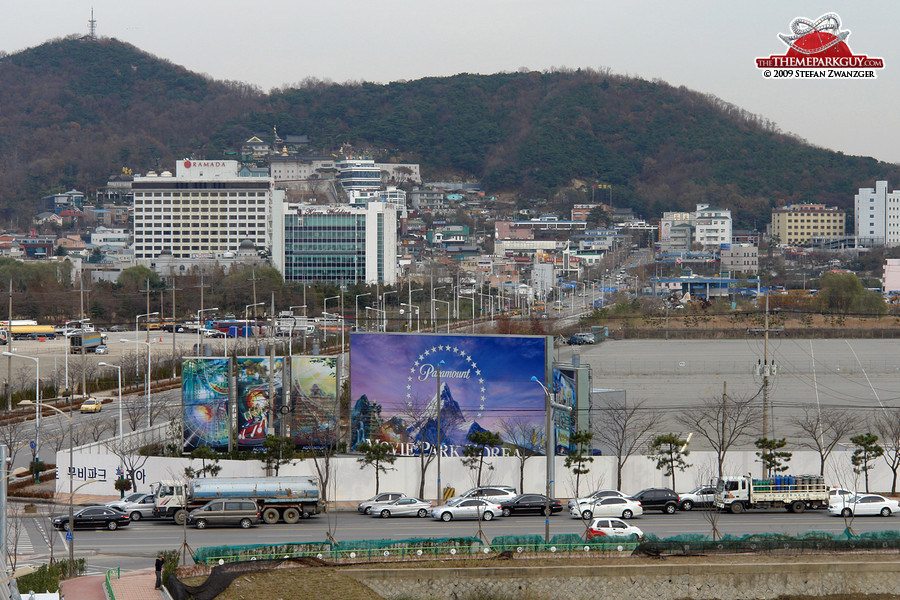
column 705, row 45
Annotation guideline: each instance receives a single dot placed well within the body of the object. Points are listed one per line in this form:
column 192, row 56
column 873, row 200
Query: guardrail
column 108, row 585
column 142, row 437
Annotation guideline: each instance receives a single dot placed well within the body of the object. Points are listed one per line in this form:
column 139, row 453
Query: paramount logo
column 428, row 371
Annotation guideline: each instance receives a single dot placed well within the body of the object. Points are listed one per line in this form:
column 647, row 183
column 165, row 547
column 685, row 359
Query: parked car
column 117, row 329
column 837, row 495
column 132, row 497
column 101, row 349
column 230, row 511
column 91, row 405
column 365, row 507
column 94, row 517
column 530, row 503
column 595, row 496
column 612, row 528
column 492, row 493
column 582, row 338
column 864, row 505
column 609, row 506
column 467, row 508
column 662, row 499
column 401, row 507
column 139, row 508
column 703, row 496
column 214, row 333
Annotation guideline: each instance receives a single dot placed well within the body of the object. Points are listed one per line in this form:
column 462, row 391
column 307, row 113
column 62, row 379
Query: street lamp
column 549, row 449
column 384, row 307
column 247, row 322
column 71, row 490
column 147, row 380
column 356, row 310
column 325, row 313
column 137, row 318
column 412, row 307
column 433, row 290
column 199, row 312
column 37, row 397
column 119, row 369
column 447, row 302
column 409, row 299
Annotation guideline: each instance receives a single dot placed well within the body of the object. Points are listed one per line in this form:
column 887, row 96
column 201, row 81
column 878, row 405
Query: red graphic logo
column 818, row 49
column 187, row 164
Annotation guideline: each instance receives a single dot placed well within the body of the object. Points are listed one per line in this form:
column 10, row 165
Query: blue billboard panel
column 253, row 403
column 204, row 394
column 480, row 382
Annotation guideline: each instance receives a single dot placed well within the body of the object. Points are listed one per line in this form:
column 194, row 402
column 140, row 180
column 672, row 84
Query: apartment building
column 799, row 224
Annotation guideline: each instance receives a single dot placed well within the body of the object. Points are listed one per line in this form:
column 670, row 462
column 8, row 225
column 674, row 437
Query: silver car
column 467, row 508
column 140, row 507
column 402, row 507
column 365, row 507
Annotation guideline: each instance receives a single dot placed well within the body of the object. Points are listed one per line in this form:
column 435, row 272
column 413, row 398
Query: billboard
column 253, row 402
column 314, row 401
column 204, row 394
column 485, row 384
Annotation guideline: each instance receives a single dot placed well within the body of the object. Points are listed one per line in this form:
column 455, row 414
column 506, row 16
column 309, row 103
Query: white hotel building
column 877, row 216
column 203, row 211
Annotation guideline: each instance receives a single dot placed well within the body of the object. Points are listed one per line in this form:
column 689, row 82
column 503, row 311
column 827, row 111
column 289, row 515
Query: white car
column 700, row 497
column 140, row 507
column 865, row 505
column 610, row 506
column 467, row 508
column 495, row 494
column 837, row 495
column 590, row 498
column 612, row 528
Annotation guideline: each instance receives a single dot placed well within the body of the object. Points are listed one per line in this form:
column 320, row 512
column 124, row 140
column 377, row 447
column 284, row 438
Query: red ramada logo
column 818, row 49
column 187, row 164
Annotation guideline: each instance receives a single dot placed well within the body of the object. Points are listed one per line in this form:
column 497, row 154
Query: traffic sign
column 32, row 444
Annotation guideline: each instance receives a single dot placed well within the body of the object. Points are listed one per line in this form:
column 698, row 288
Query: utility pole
column 174, row 325
column 81, row 316
column 253, row 279
column 9, row 359
column 272, row 370
column 766, row 369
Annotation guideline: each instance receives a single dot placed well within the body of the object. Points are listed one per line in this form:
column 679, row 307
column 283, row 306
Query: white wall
column 352, row 483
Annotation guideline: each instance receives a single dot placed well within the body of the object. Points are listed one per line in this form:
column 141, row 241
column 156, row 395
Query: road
column 135, row 546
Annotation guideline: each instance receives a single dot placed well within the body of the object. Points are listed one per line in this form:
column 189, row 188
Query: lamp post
column 119, row 369
column 305, row 324
column 247, row 324
column 137, row 318
column 409, row 300
column 71, row 490
column 384, row 307
column 37, row 397
column 356, row 310
column 325, row 314
column 433, row 290
column 447, row 302
column 147, row 379
column 199, row 312
column 439, row 494
column 549, row 449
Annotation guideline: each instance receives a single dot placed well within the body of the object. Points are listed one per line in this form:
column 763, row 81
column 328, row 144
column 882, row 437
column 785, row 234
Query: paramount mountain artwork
column 482, row 387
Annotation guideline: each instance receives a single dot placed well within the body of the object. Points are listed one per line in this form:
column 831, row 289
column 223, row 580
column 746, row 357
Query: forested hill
column 72, row 113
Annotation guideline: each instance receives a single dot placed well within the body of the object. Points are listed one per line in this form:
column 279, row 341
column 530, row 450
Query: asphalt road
column 135, row 546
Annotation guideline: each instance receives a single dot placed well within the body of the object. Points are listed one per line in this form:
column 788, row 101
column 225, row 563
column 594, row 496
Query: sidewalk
column 137, row 585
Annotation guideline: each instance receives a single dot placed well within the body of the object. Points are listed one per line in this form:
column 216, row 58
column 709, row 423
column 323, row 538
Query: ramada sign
column 203, row 163
column 819, row 44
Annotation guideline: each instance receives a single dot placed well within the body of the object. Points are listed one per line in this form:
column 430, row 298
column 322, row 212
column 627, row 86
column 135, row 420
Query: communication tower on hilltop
column 92, row 27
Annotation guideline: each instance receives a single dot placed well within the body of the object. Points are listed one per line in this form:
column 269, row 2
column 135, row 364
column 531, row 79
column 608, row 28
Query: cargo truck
column 32, row 332
column 278, row 498
column 795, row 493
column 90, row 340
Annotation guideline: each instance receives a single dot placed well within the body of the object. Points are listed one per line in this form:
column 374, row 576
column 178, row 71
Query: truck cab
column 169, row 500
column 730, row 490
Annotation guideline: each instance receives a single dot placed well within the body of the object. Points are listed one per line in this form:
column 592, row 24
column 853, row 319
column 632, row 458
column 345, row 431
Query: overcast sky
column 706, row 45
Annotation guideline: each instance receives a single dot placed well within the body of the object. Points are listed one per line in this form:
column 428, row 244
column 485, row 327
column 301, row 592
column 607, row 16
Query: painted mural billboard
column 204, row 393
column 485, row 385
column 314, row 401
column 564, row 392
column 253, row 402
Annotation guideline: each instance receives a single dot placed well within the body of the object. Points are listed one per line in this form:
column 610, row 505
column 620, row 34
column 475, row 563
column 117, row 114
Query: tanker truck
column 278, row 498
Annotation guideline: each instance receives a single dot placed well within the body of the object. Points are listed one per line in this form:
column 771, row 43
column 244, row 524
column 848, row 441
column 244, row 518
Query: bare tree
column 14, row 527
column 424, row 443
column 526, row 435
column 96, row 427
column 722, row 421
column 13, row 435
column 822, row 430
column 134, row 408
column 128, row 452
column 887, row 424
column 58, row 432
column 622, row 427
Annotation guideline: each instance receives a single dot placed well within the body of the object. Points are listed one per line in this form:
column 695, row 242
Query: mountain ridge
column 76, row 112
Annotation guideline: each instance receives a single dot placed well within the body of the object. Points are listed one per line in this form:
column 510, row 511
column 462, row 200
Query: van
column 225, row 511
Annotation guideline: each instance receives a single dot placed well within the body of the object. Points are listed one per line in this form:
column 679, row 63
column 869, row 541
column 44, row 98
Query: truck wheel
column 270, row 515
column 291, row 515
column 180, row 516
column 737, row 508
column 797, row 506
column 306, row 514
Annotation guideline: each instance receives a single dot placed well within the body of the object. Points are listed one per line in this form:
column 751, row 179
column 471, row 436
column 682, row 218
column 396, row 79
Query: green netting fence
column 567, row 543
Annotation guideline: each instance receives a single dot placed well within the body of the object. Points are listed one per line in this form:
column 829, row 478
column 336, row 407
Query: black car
column 662, row 499
column 530, row 503
column 94, row 517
